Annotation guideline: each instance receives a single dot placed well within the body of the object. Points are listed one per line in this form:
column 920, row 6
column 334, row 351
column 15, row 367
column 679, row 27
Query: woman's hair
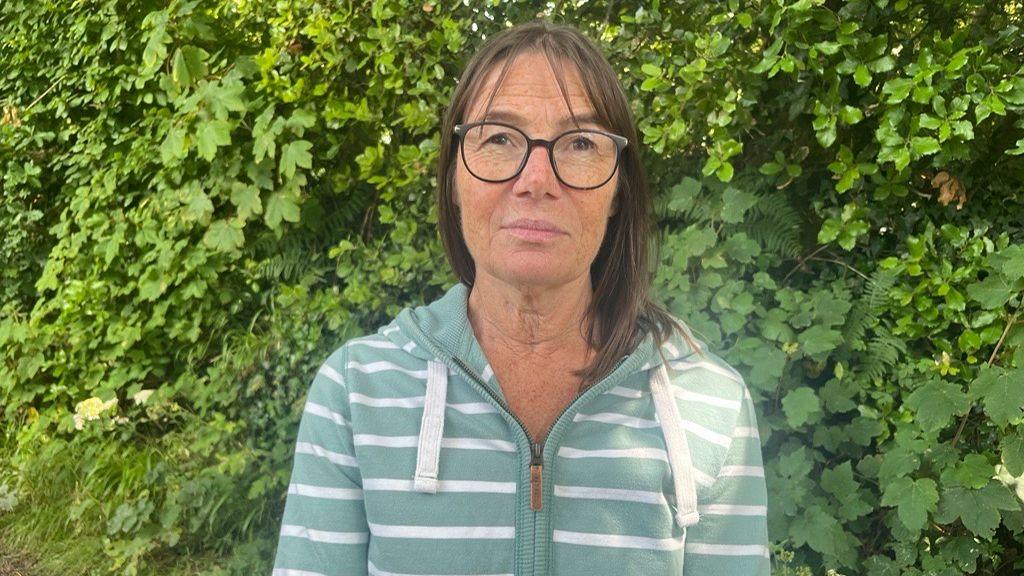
column 621, row 312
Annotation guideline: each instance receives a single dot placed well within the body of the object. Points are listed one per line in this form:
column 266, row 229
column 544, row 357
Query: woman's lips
column 533, row 230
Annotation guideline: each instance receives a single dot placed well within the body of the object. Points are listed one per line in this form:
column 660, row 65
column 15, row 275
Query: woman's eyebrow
column 588, row 117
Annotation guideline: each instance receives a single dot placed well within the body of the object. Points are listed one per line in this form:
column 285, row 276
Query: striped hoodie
column 408, row 462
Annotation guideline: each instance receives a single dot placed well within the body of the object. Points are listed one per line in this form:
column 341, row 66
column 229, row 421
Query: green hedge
column 201, row 199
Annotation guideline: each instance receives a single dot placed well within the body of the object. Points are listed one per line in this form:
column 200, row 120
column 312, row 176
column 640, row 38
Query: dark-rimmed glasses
column 497, row 152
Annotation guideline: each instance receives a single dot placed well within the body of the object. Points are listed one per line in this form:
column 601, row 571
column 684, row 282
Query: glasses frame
column 620, row 144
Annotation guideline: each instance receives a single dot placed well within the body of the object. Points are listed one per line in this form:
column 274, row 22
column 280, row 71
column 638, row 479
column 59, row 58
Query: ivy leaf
column 801, row 407
column 295, row 154
column 1001, row 392
column 936, row 401
column 977, row 509
column 211, row 135
column 914, row 500
column 224, row 236
column 281, row 206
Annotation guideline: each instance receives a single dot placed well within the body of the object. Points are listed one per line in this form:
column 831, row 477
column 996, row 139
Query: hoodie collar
column 441, row 330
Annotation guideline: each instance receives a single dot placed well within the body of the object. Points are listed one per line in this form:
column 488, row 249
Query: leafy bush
column 201, row 199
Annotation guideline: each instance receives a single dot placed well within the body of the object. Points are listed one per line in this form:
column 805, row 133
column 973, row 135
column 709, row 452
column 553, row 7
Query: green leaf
column 974, row 471
column 174, row 146
column 936, row 402
column 179, row 69
column 684, row 194
column 1012, row 448
column 851, row 115
column 862, row 76
column 977, row 509
column 817, row 340
column 198, row 205
column 281, row 206
column 224, row 236
column 898, row 89
column 801, row 407
column 992, row 292
column 247, row 199
column 819, row 529
column 152, row 284
column 839, row 482
column 226, row 98
column 295, row 154
column 1001, row 392
column 725, row 171
column 735, row 203
column 212, row 135
column 1009, row 262
column 914, row 500
column 651, row 70
column 923, row 145
column 897, row 463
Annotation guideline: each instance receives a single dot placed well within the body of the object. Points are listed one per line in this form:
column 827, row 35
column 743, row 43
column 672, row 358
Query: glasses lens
column 585, row 159
column 493, row 152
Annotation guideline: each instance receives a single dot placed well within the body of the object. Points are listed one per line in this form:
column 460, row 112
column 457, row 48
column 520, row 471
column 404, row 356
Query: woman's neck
column 527, row 321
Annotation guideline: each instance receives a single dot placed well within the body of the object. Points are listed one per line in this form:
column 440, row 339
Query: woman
column 543, row 416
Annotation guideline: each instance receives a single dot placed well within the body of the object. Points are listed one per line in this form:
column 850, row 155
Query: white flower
column 90, row 409
column 141, row 396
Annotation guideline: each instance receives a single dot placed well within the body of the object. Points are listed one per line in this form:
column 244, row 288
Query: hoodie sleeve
column 731, row 538
column 324, row 531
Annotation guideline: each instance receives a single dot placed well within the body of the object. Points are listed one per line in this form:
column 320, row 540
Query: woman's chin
column 535, row 272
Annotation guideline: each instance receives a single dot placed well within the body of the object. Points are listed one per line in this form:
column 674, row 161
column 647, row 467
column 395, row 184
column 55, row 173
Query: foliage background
column 203, row 198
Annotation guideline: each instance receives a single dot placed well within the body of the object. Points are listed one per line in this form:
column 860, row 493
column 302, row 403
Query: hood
column 441, row 334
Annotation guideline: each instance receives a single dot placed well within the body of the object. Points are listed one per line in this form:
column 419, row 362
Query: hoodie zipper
column 536, row 448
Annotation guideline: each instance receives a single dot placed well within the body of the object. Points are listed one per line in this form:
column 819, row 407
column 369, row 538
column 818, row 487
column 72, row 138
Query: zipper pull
column 536, row 483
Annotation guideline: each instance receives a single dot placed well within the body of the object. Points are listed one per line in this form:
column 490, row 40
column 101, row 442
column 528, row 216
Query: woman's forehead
column 531, row 82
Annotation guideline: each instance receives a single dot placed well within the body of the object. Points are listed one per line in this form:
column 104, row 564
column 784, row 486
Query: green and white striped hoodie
column 408, row 461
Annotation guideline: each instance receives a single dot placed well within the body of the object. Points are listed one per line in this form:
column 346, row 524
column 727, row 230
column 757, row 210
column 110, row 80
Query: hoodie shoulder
column 702, row 371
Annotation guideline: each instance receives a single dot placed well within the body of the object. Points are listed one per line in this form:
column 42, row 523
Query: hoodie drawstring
column 428, row 451
column 678, row 449
column 432, row 427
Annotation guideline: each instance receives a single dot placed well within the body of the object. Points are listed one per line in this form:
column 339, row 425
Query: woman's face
column 529, row 99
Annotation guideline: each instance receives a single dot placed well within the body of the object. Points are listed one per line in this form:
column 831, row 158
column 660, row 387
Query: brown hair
column 621, row 310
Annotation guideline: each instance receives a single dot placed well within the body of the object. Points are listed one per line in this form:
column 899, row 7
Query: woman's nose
column 538, row 175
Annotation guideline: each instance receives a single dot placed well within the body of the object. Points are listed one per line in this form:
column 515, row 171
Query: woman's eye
column 492, row 139
column 582, row 144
